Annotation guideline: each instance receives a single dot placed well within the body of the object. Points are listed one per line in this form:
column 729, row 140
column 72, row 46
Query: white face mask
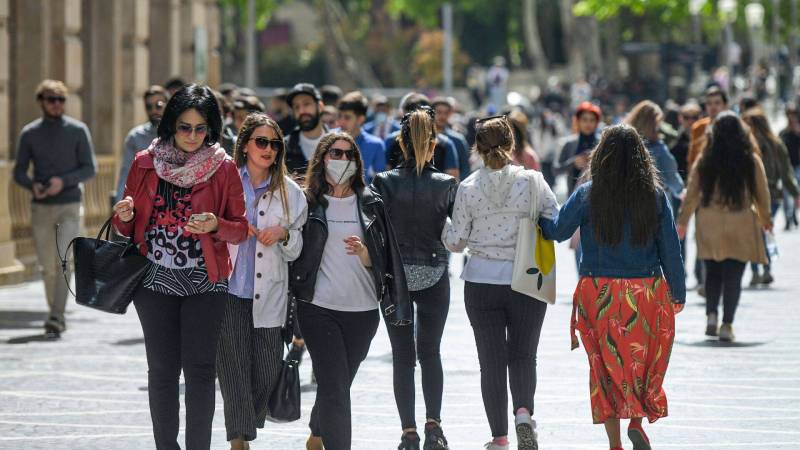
column 340, row 171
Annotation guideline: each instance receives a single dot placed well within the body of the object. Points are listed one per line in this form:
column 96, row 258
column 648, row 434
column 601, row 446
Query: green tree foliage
column 264, row 10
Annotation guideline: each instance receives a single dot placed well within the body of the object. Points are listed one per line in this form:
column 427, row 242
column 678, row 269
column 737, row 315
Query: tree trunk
column 533, row 42
column 576, row 67
column 611, row 30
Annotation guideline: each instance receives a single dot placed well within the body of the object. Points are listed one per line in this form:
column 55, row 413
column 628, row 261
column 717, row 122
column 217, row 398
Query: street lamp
column 727, row 9
column 754, row 15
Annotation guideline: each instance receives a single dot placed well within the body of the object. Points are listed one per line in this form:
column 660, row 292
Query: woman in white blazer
column 250, row 346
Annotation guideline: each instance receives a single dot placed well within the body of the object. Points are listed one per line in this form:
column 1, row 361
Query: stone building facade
column 107, row 52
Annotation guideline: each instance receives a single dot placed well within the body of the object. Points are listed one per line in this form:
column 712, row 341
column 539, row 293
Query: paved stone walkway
column 88, row 390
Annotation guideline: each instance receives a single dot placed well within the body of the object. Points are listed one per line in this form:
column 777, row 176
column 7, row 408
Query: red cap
column 588, row 107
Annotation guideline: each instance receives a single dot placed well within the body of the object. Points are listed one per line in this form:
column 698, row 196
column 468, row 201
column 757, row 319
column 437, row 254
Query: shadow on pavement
column 718, row 343
column 32, row 338
column 14, row 320
column 125, row 342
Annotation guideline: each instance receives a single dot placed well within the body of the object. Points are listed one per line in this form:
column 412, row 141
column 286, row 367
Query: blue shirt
column 661, row 255
column 373, row 153
column 241, row 280
column 667, row 167
column 462, row 149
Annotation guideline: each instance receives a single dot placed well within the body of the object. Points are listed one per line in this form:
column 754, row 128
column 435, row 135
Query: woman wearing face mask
column 350, row 268
column 182, row 203
column 250, row 346
column 419, row 198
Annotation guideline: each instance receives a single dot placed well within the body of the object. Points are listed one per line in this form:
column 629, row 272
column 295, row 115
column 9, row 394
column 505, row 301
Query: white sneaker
column 492, row 446
column 726, row 333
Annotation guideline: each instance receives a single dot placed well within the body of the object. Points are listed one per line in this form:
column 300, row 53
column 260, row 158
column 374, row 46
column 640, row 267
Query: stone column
column 213, row 25
column 165, row 40
column 66, row 58
column 11, row 270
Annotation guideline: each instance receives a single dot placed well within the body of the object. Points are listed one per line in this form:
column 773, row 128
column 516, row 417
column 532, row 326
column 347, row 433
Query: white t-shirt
column 343, row 283
column 308, row 146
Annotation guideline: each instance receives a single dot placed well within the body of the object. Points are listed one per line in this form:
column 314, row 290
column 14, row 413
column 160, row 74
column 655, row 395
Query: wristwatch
column 285, row 241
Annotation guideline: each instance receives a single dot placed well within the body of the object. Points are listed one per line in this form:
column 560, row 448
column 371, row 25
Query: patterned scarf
column 186, row 169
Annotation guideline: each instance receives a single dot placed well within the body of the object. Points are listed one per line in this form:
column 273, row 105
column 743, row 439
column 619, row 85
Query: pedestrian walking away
column 791, row 139
column 183, row 202
column 631, row 282
column 349, row 268
column 250, row 348
column 506, row 324
column 714, row 102
column 418, row 201
column 728, row 190
column 780, row 176
column 60, row 149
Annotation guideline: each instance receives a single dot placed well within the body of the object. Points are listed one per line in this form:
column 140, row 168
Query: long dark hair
column 192, row 96
column 727, row 164
column 625, row 187
column 316, row 182
column 278, row 168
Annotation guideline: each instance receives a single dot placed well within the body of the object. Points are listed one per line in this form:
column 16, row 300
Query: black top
column 418, row 206
column 792, row 143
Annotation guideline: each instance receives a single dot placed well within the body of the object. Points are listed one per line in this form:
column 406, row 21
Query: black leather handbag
column 284, row 401
column 107, row 273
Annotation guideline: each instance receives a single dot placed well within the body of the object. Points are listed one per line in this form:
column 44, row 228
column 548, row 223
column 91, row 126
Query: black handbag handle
column 107, row 228
column 63, row 259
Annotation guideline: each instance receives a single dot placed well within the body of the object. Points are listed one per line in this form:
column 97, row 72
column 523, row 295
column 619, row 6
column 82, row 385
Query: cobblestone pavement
column 88, row 390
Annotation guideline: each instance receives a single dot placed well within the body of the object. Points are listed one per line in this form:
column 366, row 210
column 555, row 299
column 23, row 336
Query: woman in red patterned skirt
column 631, row 285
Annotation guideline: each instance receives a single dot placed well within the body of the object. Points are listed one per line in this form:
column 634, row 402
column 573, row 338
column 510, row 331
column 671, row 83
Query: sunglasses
column 685, row 117
column 262, row 143
column 186, row 130
column 337, row 153
column 58, row 99
column 154, row 106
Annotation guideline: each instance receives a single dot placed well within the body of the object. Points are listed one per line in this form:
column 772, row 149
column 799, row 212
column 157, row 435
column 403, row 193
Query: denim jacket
column 662, row 255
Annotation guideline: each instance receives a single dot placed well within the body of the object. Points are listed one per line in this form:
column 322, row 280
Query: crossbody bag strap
column 534, row 187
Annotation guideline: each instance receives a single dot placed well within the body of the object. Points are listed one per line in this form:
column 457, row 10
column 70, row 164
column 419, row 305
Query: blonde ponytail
column 416, row 135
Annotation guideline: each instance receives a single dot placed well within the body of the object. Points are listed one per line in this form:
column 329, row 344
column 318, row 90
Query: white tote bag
column 534, row 278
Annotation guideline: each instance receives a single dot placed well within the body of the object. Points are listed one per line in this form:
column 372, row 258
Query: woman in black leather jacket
column 349, row 268
column 418, row 199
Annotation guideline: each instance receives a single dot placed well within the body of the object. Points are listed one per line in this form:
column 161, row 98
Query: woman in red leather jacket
column 183, row 203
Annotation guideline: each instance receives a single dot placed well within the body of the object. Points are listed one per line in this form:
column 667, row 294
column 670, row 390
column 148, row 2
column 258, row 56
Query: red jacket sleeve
column 134, row 175
column 232, row 220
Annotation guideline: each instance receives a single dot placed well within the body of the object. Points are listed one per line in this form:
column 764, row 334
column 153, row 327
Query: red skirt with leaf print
column 627, row 326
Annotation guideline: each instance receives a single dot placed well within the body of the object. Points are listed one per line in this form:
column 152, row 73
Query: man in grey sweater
column 61, row 151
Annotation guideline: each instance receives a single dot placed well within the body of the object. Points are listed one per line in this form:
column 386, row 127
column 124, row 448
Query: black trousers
column 248, row 364
column 338, row 342
column 432, row 306
column 507, row 326
column 180, row 333
column 723, row 279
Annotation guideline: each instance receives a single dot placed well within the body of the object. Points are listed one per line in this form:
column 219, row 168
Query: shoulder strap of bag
column 534, row 187
column 64, row 260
